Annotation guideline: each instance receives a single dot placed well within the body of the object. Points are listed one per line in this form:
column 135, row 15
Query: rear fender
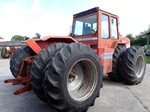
column 124, row 41
column 38, row 44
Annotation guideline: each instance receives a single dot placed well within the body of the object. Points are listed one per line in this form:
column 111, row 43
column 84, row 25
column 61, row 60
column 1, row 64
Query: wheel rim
column 82, row 80
column 140, row 66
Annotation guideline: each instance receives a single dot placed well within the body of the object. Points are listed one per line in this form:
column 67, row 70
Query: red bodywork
column 38, row 44
column 104, row 48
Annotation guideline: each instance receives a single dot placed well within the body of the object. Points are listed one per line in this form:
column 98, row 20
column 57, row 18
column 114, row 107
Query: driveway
column 114, row 97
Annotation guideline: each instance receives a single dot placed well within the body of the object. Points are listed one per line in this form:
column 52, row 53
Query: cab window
column 114, row 28
column 85, row 26
column 105, row 26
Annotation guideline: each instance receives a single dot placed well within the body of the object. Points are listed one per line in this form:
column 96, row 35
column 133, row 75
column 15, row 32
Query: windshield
column 85, row 26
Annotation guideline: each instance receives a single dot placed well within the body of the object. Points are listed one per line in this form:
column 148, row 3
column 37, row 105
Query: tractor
column 8, row 48
column 67, row 71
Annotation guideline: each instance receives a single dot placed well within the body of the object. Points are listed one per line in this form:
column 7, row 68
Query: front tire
column 73, row 78
column 117, row 58
column 134, row 65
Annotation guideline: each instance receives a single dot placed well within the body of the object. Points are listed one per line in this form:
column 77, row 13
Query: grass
column 148, row 59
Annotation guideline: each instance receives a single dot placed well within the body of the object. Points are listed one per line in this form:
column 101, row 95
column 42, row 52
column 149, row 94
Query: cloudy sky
column 54, row 17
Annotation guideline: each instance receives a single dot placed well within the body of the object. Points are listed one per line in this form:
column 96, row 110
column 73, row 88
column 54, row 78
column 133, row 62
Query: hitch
column 25, row 80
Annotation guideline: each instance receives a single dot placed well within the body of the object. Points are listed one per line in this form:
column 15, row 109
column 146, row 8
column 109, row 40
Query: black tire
column 117, row 58
column 17, row 59
column 75, row 63
column 134, row 65
column 38, row 65
column 3, row 53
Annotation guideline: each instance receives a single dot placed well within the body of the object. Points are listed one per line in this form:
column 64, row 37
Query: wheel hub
column 72, row 77
column 82, row 80
column 140, row 66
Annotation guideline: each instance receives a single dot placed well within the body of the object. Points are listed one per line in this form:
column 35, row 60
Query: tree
column 130, row 36
column 140, row 39
column 17, row 37
column 132, row 39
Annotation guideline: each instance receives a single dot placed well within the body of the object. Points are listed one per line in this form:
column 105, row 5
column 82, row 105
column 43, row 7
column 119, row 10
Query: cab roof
column 90, row 11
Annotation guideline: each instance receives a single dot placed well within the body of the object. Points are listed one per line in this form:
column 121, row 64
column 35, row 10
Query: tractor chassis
column 25, row 80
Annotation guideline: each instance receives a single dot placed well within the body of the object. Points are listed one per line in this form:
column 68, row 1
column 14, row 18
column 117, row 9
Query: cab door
column 114, row 34
column 108, row 39
column 105, row 30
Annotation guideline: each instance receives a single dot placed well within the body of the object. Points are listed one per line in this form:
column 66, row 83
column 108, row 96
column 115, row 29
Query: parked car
column 147, row 52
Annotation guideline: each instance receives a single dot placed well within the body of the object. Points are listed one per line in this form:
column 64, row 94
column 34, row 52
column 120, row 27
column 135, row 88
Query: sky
column 54, row 17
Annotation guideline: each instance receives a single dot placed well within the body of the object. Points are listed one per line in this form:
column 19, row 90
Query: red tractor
column 66, row 72
column 8, row 48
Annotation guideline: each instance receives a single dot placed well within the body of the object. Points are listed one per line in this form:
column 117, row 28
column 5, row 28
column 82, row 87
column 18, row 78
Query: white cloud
column 36, row 8
column 133, row 14
column 48, row 22
column 11, row 9
column 19, row 19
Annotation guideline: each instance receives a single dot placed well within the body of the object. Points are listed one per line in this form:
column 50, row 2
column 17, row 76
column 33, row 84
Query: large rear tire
column 38, row 65
column 117, row 58
column 73, row 78
column 17, row 59
column 134, row 65
column 4, row 53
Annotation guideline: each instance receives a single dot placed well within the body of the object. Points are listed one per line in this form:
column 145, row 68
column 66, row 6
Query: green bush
column 148, row 59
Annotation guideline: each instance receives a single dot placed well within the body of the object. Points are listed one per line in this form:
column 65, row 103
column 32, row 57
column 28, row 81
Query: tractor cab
column 99, row 29
column 96, row 27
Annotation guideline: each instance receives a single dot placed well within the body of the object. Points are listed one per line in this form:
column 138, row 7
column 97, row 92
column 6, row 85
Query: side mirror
column 37, row 35
column 70, row 31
